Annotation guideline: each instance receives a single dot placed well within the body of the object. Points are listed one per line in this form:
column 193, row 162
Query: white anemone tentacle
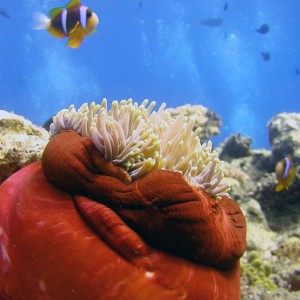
column 141, row 140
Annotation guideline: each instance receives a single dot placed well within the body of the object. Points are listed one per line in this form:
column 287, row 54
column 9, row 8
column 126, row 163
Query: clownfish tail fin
column 41, row 21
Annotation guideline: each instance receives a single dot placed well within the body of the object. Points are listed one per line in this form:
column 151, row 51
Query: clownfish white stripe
column 64, row 20
column 287, row 167
column 82, row 12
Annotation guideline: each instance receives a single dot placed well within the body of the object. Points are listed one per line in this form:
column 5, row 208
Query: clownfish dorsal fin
column 55, row 12
column 73, row 4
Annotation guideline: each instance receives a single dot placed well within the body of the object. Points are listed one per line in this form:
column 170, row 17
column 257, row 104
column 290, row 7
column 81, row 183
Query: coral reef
column 272, row 217
column 21, row 143
column 289, row 248
column 284, row 136
column 206, row 119
column 235, row 146
column 294, row 278
column 256, row 272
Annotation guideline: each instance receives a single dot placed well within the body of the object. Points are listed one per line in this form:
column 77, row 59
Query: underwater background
column 211, row 53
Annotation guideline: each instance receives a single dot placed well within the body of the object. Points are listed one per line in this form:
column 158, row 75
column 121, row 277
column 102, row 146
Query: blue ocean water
column 160, row 51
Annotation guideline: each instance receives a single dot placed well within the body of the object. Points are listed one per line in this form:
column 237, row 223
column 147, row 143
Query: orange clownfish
column 285, row 173
column 74, row 21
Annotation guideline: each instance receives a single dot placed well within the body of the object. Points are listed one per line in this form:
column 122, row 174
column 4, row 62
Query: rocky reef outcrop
column 271, row 264
column 284, row 136
column 21, row 143
column 235, row 146
column 209, row 121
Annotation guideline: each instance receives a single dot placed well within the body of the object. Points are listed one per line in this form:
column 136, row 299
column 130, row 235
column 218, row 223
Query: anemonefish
column 74, row 21
column 285, row 173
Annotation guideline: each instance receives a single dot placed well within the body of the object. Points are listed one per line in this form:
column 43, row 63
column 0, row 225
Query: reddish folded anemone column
column 161, row 207
column 93, row 233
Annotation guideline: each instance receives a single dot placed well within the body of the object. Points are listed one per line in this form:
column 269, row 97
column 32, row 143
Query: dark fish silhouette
column 141, row 4
column 297, row 72
column 4, row 13
column 266, row 56
column 225, row 6
column 47, row 124
column 264, row 28
column 212, row 22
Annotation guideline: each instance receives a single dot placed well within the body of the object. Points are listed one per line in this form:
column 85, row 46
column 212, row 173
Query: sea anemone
column 141, row 140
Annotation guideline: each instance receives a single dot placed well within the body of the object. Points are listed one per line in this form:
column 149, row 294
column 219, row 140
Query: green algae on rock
column 257, row 272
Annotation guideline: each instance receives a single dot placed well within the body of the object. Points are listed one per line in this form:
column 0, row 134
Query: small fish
column 47, row 124
column 285, row 173
column 74, row 21
column 212, row 22
column 297, row 71
column 264, row 28
column 265, row 55
column 4, row 13
column 225, row 7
